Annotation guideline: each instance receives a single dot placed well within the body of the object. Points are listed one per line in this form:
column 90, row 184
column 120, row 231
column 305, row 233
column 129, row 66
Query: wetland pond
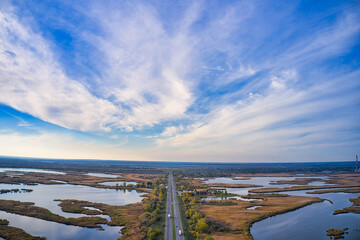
column 44, row 196
column 119, row 183
column 103, row 175
column 310, row 222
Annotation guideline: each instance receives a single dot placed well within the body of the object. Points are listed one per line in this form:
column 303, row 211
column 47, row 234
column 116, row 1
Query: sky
column 204, row 81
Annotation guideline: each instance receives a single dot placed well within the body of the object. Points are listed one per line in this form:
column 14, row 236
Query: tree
column 202, row 226
column 153, row 232
column 209, row 238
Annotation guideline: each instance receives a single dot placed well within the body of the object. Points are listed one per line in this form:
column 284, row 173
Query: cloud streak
column 239, row 80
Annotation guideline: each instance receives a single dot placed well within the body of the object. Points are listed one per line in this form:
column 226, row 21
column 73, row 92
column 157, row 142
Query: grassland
column 235, row 220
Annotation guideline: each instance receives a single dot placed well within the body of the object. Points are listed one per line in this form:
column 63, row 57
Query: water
column 58, row 231
column 103, row 175
column 10, row 170
column 44, row 195
column 120, row 183
column 225, row 198
column 253, row 207
column 263, row 181
column 310, row 222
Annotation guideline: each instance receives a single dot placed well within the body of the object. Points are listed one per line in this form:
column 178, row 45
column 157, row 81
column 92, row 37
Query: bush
column 202, row 226
column 153, row 232
column 4, row 222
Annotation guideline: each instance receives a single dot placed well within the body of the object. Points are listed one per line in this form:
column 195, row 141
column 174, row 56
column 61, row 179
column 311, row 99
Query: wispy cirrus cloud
column 33, row 81
column 240, row 79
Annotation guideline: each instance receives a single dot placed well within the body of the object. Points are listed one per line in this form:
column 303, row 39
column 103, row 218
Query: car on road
column 180, row 232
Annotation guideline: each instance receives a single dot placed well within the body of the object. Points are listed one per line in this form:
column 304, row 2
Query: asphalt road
column 168, row 222
column 176, row 216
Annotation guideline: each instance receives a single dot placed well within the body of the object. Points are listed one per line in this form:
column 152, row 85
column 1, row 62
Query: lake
column 120, row 183
column 103, row 175
column 44, row 195
column 310, row 222
column 58, row 231
column 9, row 170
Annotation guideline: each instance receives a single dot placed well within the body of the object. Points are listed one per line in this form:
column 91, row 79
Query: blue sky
column 226, row 81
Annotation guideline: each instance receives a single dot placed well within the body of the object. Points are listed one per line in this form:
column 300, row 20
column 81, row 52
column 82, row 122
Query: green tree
column 153, row 232
column 202, row 226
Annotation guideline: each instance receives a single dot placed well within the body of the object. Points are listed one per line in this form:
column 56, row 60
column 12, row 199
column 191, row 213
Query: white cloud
column 33, row 82
column 171, row 131
column 282, row 120
column 286, row 77
column 146, row 67
column 241, row 84
column 143, row 78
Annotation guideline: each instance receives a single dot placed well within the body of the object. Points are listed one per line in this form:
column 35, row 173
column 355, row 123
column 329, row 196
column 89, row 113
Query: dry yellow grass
column 237, row 220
